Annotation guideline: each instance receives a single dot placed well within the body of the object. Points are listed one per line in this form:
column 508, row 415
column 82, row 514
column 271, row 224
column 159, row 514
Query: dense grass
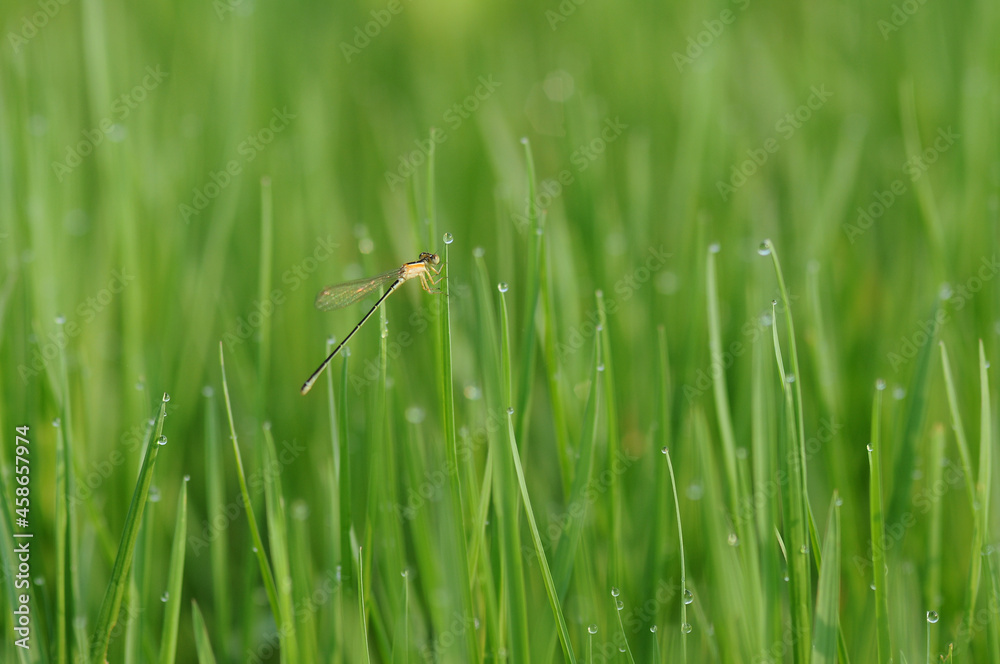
column 634, row 426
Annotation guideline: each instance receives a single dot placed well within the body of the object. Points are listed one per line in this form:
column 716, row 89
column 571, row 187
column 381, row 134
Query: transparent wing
column 338, row 296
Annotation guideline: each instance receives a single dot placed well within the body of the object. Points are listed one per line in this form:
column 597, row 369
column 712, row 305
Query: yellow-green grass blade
column 569, row 539
column 201, row 641
column 344, row 477
column 932, row 581
column 215, row 487
column 278, row 538
column 307, row 605
column 265, row 261
column 108, row 613
column 983, row 494
column 175, row 580
column 824, row 647
column 719, row 388
column 685, row 626
column 877, row 518
column 532, row 290
column 605, row 367
column 957, row 426
column 258, row 543
column 550, row 587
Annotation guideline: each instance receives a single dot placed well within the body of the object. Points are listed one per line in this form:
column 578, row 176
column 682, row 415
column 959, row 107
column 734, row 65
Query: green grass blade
column 534, row 240
column 277, row 535
column 983, row 486
column 824, row 647
column 108, row 613
column 605, row 366
column 175, row 579
column 361, row 605
column 258, row 543
column 215, row 487
column 907, row 453
column 618, row 606
column 932, row 586
column 719, row 388
column 265, row 261
column 957, row 426
column 680, row 542
column 876, row 515
column 344, row 483
column 550, row 587
column 201, row 641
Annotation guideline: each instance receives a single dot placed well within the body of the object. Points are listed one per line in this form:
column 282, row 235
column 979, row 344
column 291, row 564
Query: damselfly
column 342, row 295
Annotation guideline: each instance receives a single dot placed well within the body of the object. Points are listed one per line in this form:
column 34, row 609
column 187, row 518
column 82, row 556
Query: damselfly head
column 428, row 257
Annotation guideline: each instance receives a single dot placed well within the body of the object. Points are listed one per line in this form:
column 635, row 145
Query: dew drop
column 664, row 450
column 932, row 617
column 765, row 248
column 524, row 141
column 60, row 320
column 478, row 252
column 164, row 597
column 870, row 448
column 266, row 425
column 475, row 622
column 839, row 501
column 300, row 510
column 162, row 440
column 403, row 574
column 592, row 629
column 688, row 596
column 614, row 591
column 166, row 397
column 140, row 386
column 620, row 604
column 871, row 586
column 56, row 422
column 686, row 628
column 510, row 410
column 880, row 384
column 652, row 629
column 741, row 453
column 803, row 549
column 600, row 367
column 206, row 391
column 694, row 491
column 187, row 478
column 414, row 414
column 448, row 238
column 734, row 540
column 621, row 648
column 714, row 248
column 502, row 287
column 790, row 378
column 472, row 392
column 898, row 392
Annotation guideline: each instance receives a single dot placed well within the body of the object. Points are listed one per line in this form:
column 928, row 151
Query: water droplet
column 734, row 540
column 510, row 410
column 414, row 414
column 162, row 440
column 621, row 648
column 448, row 238
column 652, row 629
column 600, row 367
column 785, row 578
column 686, row 628
column 871, row 586
column 870, row 448
column 347, row 351
column 206, row 391
column 620, row 604
column 140, row 386
column 472, row 393
column 765, row 248
column 599, row 327
column 478, row 252
column 502, row 287
column 524, row 141
column 614, row 591
column 266, row 425
column 688, row 596
column 475, row 622
column 56, row 422
column 803, row 549
column 898, row 392
column 932, row 617
column 714, row 248
column 880, row 384
column 166, row 397
column 944, row 292
column 741, row 453
column 664, row 450
column 592, row 629
column 366, row 245
column 774, row 303
column 694, row 491
column 300, row 510
column 164, row 597
column 790, row 378
column 60, row 320
column 987, row 364
column 838, row 501
column 403, row 573
column 187, row 478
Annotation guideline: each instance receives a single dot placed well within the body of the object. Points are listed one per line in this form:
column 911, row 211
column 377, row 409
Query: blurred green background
column 142, row 144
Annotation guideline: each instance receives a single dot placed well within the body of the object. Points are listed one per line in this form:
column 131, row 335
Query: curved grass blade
column 277, row 536
column 957, row 426
column 680, row 541
column 175, row 578
column 550, row 587
column 215, row 483
column 108, row 613
column 824, row 647
column 201, row 640
column 983, row 484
